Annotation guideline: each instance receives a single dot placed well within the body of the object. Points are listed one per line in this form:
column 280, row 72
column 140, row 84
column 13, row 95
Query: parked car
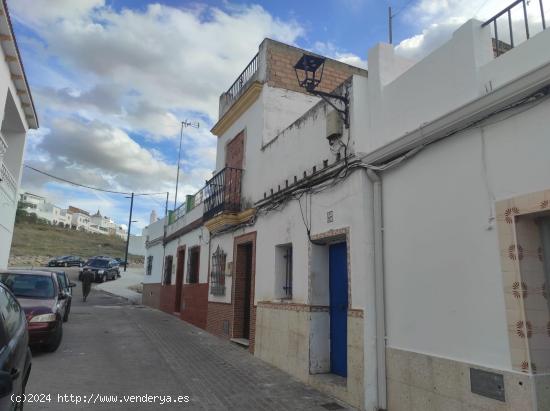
column 121, row 262
column 44, row 304
column 67, row 287
column 66, row 261
column 15, row 356
column 103, row 269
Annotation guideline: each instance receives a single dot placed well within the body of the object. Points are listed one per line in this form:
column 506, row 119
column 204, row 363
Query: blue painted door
column 338, row 284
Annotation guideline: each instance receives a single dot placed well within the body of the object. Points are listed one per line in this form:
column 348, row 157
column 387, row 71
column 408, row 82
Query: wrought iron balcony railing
column 237, row 87
column 222, row 192
column 517, row 28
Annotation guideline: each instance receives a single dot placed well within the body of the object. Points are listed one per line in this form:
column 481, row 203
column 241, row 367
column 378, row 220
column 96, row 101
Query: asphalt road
column 113, row 348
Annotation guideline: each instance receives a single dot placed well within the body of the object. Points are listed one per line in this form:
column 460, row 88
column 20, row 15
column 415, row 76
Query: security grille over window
column 149, row 265
column 193, row 265
column 288, row 272
column 217, row 276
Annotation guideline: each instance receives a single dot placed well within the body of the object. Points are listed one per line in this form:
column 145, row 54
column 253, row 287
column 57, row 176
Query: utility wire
column 87, row 186
column 407, row 4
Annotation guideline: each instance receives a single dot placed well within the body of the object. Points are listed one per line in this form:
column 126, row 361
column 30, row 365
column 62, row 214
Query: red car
column 44, row 303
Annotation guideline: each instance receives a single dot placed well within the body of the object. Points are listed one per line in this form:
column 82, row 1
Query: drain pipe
column 379, row 289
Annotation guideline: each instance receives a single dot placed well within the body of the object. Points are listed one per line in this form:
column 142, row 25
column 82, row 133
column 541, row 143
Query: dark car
column 103, row 269
column 67, row 287
column 66, row 261
column 121, row 262
column 39, row 294
column 15, row 356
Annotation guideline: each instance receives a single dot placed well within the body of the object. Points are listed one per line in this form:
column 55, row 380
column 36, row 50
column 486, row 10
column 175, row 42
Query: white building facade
column 464, row 220
column 17, row 116
column 399, row 263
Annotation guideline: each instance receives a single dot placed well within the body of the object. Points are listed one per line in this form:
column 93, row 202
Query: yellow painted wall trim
column 237, row 109
column 228, row 219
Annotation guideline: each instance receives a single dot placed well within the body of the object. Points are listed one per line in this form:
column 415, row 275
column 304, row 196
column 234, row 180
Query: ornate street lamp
column 309, row 73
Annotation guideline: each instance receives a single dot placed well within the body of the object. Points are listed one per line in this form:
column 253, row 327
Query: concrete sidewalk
column 112, row 348
column 133, row 277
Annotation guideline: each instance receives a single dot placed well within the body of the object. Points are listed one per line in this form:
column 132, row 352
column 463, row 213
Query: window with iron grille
column 168, row 269
column 217, row 276
column 193, row 261
column 283, row 268
column 149, row 265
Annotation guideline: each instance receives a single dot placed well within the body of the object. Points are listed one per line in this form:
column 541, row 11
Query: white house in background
column 80, row 221
column 43, row 209
column 33, row 200
column 104, row 224
column 121, row 232
column 17, row 115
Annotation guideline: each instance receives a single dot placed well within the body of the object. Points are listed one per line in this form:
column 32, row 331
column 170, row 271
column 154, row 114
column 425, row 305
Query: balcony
column 7, row 182
column 222, row 193
column 511, row 25
column 239, row 86
column 186, row 214
column 3, row 145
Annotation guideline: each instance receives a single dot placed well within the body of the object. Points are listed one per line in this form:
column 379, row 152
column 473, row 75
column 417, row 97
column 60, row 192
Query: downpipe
column 379, row 299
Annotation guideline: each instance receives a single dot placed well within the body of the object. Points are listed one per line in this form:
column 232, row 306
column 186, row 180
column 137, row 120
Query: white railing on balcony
column 3, row 145
column 8, row 181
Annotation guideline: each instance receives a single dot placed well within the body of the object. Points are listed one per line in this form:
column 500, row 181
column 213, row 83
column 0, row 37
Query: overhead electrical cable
column 104, row 190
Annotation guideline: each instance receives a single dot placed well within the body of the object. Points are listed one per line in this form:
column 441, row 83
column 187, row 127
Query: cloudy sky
column 112, row 79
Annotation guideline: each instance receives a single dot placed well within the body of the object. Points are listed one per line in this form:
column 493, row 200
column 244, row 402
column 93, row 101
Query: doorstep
column 240, row 341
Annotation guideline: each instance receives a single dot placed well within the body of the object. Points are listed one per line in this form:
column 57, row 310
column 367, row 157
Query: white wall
column 136, row 246
column 443, row 275
column 198, row 237
column 153, row 232
column 14, row 127
column 274, row 110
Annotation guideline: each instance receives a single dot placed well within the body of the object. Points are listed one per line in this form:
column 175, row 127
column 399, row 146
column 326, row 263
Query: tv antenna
column 184, row 124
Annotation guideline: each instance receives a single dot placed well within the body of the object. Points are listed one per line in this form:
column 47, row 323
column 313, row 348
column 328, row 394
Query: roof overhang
column 15, row 65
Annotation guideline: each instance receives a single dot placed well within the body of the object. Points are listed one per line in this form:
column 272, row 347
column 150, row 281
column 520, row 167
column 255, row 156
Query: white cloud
column 103, row 75
column 171, row 58
column 330, row 50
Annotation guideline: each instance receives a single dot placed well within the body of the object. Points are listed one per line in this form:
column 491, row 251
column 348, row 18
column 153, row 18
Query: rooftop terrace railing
column 190, row 203
column 237, row 87
column 503, row 43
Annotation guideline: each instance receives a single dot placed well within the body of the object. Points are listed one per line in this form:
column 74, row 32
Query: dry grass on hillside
column 34, row 240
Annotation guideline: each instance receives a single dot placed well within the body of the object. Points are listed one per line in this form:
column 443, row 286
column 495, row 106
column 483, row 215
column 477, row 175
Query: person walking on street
column 87, row 277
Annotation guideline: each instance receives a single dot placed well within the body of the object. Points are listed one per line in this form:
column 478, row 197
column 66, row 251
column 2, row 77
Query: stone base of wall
column 217, row 314
column 423, row 382
column 195, row 304
column 284, row 338
column 151, row 295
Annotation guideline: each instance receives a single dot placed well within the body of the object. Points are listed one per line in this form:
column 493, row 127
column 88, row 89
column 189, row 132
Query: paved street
column 123, row 285
column 111, row 347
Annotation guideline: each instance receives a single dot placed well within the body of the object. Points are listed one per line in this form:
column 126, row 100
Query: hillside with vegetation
column 35, row 243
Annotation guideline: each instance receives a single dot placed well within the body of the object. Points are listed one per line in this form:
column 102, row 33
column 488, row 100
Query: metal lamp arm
column 344, row 114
